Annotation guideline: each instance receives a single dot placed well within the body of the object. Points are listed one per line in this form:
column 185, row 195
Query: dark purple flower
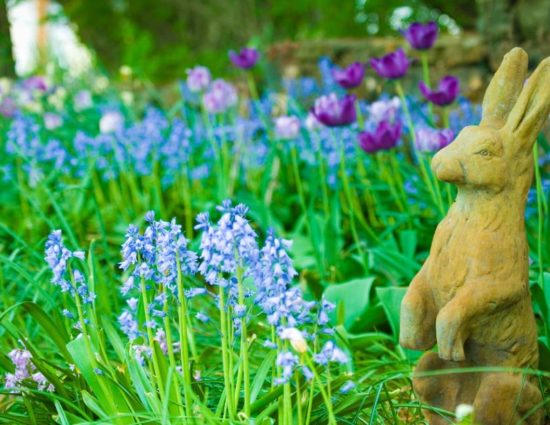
column 334, row 112
column 421, row 36
column 384, row 137
column 245, row 59
column 393, row 65
column 446, row 92
column 351, row 76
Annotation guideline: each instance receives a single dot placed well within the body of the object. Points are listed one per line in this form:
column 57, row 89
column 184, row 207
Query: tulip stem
column 541, row 207
column 433, row 188
column 303, row 204
column 426, row 78
column 349, row 199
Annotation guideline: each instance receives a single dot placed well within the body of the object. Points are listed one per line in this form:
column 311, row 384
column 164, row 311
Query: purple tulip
column 245, row 59
column 385, row 137
column 393, row 65
column 334, row 112
column 421, row 36
column 446, row 92
column 432, row 139
column 351, row 76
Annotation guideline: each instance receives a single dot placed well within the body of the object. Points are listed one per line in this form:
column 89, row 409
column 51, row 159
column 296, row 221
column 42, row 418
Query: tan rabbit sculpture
column 471, row 296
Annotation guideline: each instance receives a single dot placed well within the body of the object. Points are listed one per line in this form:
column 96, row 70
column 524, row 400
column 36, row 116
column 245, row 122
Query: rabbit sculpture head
column 496, row 155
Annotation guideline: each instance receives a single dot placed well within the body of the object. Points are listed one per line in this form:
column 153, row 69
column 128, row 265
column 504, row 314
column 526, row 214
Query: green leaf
column 110, row 398
column 391, row 302
column 544, row 354
column 408, row 240
column 55, row 330
column 261, row 375
column 352, row 300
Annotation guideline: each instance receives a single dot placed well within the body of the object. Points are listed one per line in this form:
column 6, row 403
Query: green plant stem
column 426, row 77
column 218, row 160
column 326, row 398
column 225, row 355
column 88, row 344
column 171, row 357
column 370, row 197
column 349, row 199
column 411, row 148
column 183, row 338
column 244, row 344
column 188, row 207
column 298, row 399
column 151, row 340
column 303, row 204
column 323, row 178
column 426, row 176
column 540, row 213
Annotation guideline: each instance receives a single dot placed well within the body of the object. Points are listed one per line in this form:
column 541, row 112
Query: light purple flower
column 82, row 100
column 245, row 59
column 52, row 121
column 384, row 110
column 220, row 97
column 350, row 76
column 432, row 140
column 347, row 387
column 198, row 78
column 7, row 107
column 334, row 112
column 35, row 83
column 385, row 137
column 330, row 353
column 312, row 123
column 111, row 122
column 446, row 92
column 421, row 36
column 394, row 65
column 287, row 361
column 287, row 127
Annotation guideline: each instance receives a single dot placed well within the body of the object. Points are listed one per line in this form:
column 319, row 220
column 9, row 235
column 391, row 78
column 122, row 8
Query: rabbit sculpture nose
column 447, row 169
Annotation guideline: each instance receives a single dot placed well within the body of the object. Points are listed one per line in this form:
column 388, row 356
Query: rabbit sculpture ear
column 504, row 88
column 532, row 108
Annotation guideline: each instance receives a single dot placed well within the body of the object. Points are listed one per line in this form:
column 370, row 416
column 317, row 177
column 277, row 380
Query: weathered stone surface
column 507, row 23
column 471, row 296
column 464, row 55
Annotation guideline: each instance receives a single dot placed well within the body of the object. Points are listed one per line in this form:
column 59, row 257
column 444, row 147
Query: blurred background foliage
column 160, row 39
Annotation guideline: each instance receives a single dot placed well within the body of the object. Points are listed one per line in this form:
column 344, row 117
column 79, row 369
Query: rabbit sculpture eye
column 471, row 296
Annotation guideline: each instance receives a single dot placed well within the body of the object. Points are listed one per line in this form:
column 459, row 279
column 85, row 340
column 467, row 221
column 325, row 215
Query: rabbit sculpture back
column 471, row 296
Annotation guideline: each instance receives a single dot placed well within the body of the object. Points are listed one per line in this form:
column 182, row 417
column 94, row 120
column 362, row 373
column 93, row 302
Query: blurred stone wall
column 472, row 56
column 507, row 23
column 464, row 56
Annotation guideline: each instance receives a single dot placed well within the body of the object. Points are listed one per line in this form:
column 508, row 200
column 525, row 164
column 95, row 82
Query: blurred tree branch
column 7, row 64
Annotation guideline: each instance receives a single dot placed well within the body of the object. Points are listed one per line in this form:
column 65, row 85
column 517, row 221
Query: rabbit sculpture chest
column 471, row 296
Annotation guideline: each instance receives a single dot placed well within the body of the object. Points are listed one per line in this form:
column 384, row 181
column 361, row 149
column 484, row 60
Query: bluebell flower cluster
column 158, row 257
column 25, row 371
column 228, row 251
column 69, row 278
column 229, row 244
